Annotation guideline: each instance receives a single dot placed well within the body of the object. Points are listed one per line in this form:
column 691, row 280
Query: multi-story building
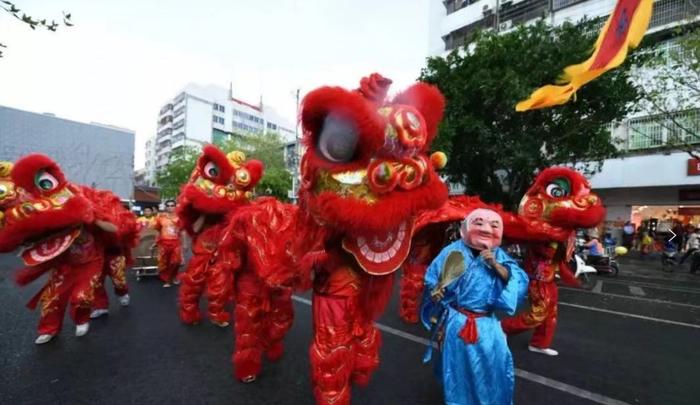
column 651, row 180
column 92, row 154
column 207, row 114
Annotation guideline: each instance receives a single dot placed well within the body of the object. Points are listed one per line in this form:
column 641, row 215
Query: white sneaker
column 43, row 339
column 547, row 350
column 124, row 300
column 221, row 324
column 166, row 285
column 98, row 313
column 82, row 329
column 176, row 282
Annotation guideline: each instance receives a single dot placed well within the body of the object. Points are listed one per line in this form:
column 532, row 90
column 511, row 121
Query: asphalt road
column 634, row 339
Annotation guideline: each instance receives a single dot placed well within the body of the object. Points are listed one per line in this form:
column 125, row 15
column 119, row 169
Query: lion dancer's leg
column 279, row 320
column 115, row 268
column 169, row 258
column 219, row 286
column 249, row 326
column 52, row 300
column 89, row 280
column 335, row 316
column 541, row 316
column 193, row 280
column 544, row 333
column 411, row 290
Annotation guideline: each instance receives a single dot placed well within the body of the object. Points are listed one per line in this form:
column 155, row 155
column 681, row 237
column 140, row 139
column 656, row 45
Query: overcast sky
column 124, row 58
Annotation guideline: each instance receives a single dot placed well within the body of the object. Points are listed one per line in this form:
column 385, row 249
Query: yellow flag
column 623, row 30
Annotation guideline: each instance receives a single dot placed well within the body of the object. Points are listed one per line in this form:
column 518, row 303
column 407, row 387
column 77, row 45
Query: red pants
column 345, row 346
column 169, row 259
column 217, row 277
column 411, row 291
column 115, row 268
column 541, row 315
column 68, row 284
column 263, row 316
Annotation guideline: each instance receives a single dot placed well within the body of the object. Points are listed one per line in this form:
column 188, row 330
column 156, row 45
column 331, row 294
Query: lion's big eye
column 211, row 170
column 338, row 140
column 44, row 181
column 559, row 188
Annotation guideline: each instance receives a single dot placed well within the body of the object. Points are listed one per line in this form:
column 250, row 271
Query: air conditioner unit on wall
column 486, row 10
column 505, row 25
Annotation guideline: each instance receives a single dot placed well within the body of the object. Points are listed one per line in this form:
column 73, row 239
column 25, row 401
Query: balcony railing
column 671, row 11
column 660, row 130
column 521, row 12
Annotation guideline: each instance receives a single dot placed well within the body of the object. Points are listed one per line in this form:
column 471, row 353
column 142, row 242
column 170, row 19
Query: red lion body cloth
column 559, row 202
column 218, row 186
column 74, row 232
column 366, row 174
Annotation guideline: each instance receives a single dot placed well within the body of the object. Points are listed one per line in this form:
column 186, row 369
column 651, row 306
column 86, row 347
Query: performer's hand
column 488, row 257
column 106, row 226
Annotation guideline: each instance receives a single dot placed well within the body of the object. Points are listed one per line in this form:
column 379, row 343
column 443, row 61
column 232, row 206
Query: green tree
column 493, row 150
column 10, row 8
column 177, row 171
column 668, row 78
column 268, row 148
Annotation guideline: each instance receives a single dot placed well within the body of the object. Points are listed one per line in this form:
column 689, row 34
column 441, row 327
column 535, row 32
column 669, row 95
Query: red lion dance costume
column 366, row 174
column 559, row 202
column 218, row 186
column 87, row 231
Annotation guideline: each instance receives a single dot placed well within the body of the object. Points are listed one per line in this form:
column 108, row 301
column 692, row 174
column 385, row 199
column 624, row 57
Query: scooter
column 583, row 272
column 669, row 260
column 605, row 265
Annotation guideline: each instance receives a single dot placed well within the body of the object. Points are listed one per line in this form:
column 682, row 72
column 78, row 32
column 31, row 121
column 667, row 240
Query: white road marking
column 654, row 300
column 526, row 375
column 646, row 318
column 598, row 287
column 634, row 290
column 656, row 286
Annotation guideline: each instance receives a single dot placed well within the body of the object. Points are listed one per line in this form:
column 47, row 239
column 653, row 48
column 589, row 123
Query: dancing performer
column 218, row 186
column 169, row 244
column 559, row 202
column 68, row 231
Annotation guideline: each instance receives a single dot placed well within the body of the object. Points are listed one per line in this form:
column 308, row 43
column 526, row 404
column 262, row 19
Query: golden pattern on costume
column 86, row 298
column 117, row 267
column 539, row 303
column 49, row 297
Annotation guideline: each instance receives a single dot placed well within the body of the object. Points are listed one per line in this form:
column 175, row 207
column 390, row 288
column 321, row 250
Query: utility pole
column 297, row 151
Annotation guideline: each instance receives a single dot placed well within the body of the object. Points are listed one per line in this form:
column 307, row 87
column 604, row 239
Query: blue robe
column 482, row 372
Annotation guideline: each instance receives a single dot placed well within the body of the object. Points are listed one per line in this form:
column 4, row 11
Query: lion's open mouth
column 49, row 247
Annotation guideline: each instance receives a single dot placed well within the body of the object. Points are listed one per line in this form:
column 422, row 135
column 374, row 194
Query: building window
column 179, row 124
column 218, row 120
column 219, row 107
column 656, row 131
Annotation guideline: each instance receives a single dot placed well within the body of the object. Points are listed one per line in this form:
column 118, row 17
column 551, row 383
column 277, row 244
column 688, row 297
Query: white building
column 650, row 181
column 207, row 114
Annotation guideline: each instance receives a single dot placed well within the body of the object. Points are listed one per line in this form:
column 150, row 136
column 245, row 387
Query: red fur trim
column 350, row 106
column 429, row 101
column 256, row 169
column 26, row 168
column 211, row 153
column 28, row 274
column 375, row 295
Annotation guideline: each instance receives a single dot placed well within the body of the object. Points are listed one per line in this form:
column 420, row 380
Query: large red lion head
column 366, row 172
column 562, row 198
column 219, row 183
column 46, row 211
